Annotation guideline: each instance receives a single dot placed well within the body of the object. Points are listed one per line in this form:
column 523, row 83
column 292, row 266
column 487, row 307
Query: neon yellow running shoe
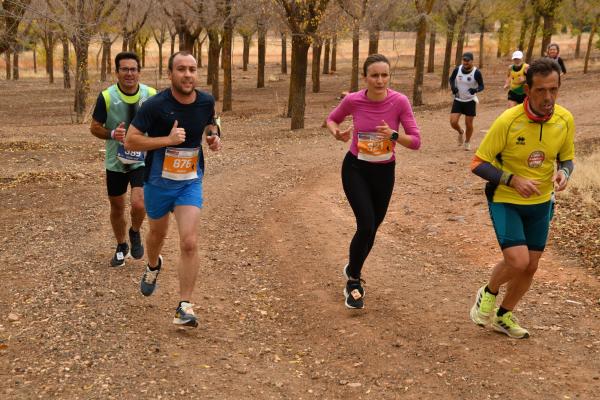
column 509, row 325
column 481, row 312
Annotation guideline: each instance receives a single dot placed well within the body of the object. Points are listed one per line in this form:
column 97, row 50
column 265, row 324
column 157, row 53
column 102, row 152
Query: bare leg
column 138, row 212
column 469, row 125
column 515, row 262
column 117, row 217
column 155, row 238
column 520, row 284
column 454, row 117
column 187, row 221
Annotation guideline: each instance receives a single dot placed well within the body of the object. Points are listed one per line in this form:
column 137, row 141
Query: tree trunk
column 226, row 51
column 66, row 64
column 373, row 41
column 326, row 56
column 500, row 39
column 297, row 92
column 547, row 32
column 262, row 47
column 448, row 53
column 420, row 60
column 578, row 46
column 15, row 74
column 214, row 50
column 143, row 44
column 481, row 47
column 283, row 53
column 8, row 64
column 532, row 36
column 247, row 39
column 290, row 96
column 200, row 43
column 334, row 54
column 316, row 65
column 173, row 36
column 82, row 83
column 109, row 58
column 355, row 56
column 105, row 60
column 460, row 40
column 524, row 26
column 590, row 42
column 49, row 48
column 186, row 41
column 35, row 58
column 213, row 39
column 431, row 59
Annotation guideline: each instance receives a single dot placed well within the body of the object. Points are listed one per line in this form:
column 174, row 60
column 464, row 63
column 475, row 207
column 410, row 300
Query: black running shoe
column 121, row 253
column 354, row 293
column 137, row 248
column 148, row 282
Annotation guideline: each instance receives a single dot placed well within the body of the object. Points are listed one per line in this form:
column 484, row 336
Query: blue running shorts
column 159, row 200
column 522, row 225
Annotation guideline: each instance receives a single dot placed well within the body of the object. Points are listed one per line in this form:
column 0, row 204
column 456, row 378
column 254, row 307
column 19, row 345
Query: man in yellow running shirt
column 515, row 80
column 526, row 156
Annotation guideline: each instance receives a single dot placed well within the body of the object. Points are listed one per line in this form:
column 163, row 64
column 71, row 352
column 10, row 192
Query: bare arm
column 507, row 81
column 403, row 139
column 334, row 128
column 99, row 130
column 135, row 140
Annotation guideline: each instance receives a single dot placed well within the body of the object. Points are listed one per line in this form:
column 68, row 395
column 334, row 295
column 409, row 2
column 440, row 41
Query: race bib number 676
column 180, row 164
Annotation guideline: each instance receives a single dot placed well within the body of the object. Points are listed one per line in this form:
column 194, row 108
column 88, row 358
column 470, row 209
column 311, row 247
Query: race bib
column 130, row 157
column 180, row 164
column 373, row 146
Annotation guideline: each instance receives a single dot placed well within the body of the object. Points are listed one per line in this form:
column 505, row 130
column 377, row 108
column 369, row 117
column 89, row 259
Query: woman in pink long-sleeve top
column 368, row 169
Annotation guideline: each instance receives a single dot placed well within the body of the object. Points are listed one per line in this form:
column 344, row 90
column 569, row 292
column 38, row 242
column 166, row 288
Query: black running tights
column 368, row 187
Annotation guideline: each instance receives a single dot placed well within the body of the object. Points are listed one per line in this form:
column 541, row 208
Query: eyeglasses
column 128, row 70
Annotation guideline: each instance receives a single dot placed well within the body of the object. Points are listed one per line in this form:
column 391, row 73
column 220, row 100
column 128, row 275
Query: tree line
column 309, row 24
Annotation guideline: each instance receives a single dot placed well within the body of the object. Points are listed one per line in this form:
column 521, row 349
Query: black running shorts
column 519, row 98
column 467, row 108
column 116, row 182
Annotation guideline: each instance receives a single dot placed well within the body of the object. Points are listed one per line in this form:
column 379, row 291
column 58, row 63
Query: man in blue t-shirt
column 170, row 126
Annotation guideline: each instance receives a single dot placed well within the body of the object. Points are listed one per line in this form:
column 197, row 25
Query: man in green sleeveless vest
column 115, row 108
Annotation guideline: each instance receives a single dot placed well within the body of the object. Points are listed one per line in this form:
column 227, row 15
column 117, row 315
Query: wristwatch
column 394, row 136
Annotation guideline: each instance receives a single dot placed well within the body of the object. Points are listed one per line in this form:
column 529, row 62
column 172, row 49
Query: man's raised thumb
column 175, row 124
column 121, row 125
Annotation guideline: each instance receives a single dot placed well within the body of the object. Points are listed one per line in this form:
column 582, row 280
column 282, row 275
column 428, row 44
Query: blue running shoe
column 184, row 315
column 148, row 282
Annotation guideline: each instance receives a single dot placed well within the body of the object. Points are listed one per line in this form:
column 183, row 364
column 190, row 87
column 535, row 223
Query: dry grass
column 578, row 214
column 586, row 179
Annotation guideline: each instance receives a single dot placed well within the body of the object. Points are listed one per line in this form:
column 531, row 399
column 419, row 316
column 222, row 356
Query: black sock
column 183, row 301
column 155, row 268
column 502, row 311
column 487, row 289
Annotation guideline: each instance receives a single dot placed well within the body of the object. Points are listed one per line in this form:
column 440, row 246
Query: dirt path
column 274, row 237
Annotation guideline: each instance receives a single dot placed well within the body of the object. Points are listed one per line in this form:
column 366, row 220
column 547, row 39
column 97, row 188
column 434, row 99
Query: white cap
column 517, row 55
